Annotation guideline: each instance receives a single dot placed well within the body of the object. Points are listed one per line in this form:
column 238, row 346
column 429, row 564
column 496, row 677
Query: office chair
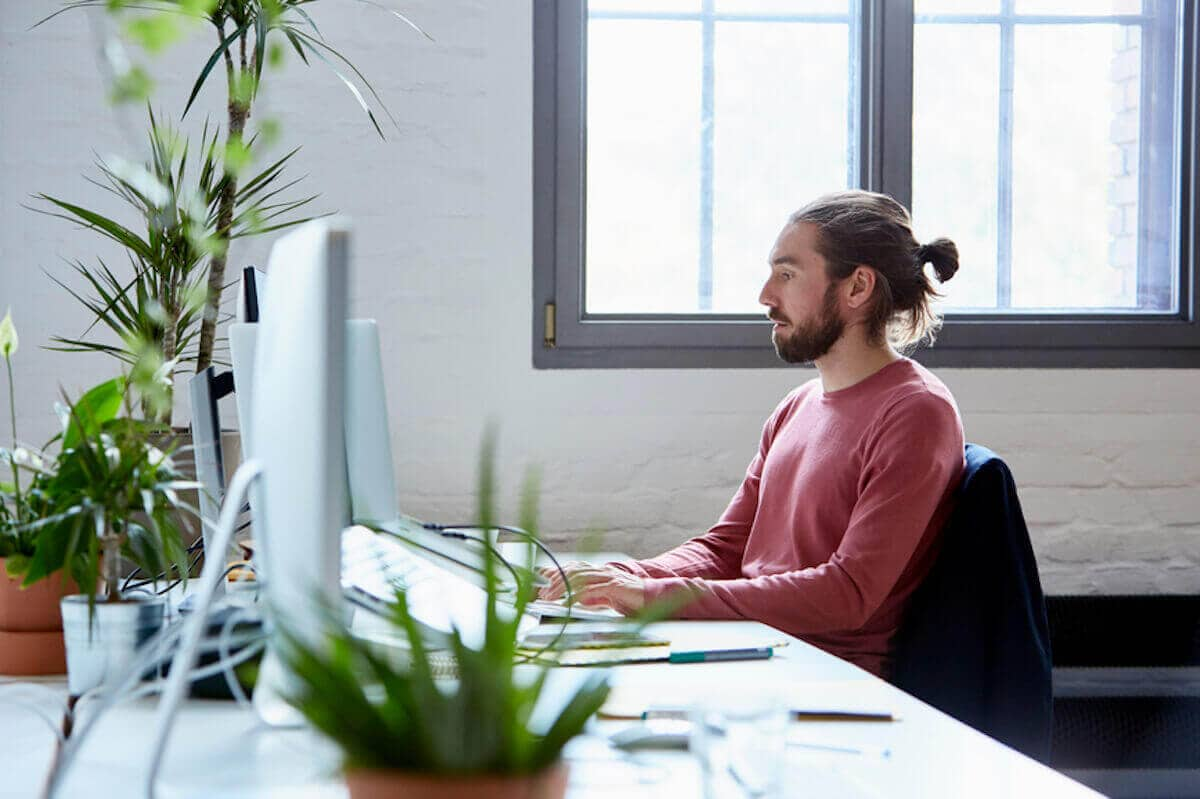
column 975, row 641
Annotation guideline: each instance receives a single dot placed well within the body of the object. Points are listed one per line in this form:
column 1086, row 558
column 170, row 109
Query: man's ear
column 860, row 286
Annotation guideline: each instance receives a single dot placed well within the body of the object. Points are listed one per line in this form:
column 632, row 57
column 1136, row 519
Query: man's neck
column 852, row 360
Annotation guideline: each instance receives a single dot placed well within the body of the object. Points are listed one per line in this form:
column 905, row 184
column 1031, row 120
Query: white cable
column 32, row 706
column 126, row 687
column 149, row 653
column 193, row 626
column 231, row 679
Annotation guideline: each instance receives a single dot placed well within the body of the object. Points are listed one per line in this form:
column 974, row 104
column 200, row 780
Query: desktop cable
column 455, row 531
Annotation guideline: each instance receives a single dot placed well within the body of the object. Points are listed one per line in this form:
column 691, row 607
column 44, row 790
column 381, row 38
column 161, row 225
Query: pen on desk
column 716, row 655
column 793, row 715
column 841, row 715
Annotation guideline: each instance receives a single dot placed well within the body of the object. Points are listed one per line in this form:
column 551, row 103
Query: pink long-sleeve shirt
column 837, row 519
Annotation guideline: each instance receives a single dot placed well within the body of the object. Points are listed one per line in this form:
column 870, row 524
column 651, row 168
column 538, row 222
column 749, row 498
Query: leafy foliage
column 161, row 305
column 108, row 492
column 388, row 716
column 249, row 34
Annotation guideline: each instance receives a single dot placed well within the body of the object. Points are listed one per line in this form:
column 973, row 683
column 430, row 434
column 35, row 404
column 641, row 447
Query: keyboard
column 442, row 592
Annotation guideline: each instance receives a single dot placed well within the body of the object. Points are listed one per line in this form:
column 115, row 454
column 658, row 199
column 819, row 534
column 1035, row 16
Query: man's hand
column 597, row 585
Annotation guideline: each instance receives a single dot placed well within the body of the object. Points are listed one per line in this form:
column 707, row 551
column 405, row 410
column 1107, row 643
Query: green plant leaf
column 132, row 86
column 16, row 564
column 311, row 45
column 155, row 33
column 91, row 219
column 98, row 405
column 399, row 16
column 212, row 62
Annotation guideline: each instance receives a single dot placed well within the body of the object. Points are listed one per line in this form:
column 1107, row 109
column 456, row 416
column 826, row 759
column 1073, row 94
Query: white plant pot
column 104, row 646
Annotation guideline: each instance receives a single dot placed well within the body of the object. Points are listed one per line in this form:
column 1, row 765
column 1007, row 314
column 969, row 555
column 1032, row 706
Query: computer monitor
column 369, row 482
column 369, row 471
column 296, row 435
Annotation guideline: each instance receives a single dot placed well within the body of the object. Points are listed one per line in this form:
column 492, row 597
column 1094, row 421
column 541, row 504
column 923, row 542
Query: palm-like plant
column 159, row 307
column 247, row 38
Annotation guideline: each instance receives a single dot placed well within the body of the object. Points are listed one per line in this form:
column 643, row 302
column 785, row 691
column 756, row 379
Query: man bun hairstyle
column 862, row 228
column 943, row 254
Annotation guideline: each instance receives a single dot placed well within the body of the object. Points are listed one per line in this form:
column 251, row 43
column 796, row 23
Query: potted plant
column 108, row 493
column 250, row 35
column 154, row 310
column 403, row 731
column 31, row 639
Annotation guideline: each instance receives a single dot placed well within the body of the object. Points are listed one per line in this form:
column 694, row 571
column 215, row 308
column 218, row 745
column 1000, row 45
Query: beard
column 809, row 341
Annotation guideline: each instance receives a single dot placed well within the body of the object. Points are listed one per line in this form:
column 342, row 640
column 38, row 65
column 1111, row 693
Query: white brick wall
column 1106, row 460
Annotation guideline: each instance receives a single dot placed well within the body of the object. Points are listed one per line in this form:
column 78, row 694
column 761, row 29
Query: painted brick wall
column 1108, row 461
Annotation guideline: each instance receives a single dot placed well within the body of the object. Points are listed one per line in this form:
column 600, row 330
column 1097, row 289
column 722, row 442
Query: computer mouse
column 659, row 734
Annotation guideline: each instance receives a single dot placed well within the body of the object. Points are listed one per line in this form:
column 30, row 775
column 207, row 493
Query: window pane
column 1063, row 181
column 644, row 6
column 701, row 139
column 643, row 186
column 1065, row 160
column 955, row 117
column 1079, row 7
column 783, row 7
column 956, row 7
column 780, row 140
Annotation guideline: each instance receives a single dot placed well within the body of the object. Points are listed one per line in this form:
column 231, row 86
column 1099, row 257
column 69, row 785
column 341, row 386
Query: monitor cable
column 455, row 531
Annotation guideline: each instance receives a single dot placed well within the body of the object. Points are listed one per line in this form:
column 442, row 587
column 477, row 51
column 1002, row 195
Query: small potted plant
column 405, row 731
column 109, row 493
column 31, row 639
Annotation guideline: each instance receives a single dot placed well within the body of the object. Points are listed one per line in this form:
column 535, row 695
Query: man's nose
column 766, row 297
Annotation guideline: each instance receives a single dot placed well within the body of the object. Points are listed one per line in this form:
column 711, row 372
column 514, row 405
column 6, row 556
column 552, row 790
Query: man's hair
column 861, row 228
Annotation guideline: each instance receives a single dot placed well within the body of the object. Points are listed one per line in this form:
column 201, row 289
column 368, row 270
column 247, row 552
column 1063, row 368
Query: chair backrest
column 975, row 642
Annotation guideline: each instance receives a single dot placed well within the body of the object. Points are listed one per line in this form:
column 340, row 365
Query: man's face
column 800, row 298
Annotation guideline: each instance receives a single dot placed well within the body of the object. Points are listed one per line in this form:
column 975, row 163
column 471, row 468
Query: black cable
column 129, row 585
column 197, row 546
column 487, row 545
column 447, row 530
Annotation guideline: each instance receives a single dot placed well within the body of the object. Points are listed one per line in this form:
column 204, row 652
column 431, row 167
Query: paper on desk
column 835, row 696
column 610, row 656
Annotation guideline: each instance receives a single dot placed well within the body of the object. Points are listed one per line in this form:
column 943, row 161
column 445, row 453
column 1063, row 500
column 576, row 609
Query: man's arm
column 913, row 461
column 717, row 554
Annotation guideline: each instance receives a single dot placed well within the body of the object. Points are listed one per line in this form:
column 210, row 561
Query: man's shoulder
column 916, row 386
column 797, row 396
column 922, row 407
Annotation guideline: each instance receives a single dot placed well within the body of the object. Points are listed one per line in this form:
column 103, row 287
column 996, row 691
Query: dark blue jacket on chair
column 974, row 642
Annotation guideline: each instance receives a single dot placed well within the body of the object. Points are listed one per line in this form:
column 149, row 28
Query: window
column 1053, row 140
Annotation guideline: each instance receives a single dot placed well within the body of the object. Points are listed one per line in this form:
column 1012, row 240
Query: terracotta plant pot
column 549, row 783
column 31, row 639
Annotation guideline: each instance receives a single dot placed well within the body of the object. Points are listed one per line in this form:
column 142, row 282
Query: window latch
column 548, row 341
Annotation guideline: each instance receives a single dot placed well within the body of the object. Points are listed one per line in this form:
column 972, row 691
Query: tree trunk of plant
column 238, row 114
column 110, row 545
column 170, row 341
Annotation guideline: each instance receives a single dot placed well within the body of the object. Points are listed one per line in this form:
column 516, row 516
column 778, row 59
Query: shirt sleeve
column 717, row 555
column 913, row 459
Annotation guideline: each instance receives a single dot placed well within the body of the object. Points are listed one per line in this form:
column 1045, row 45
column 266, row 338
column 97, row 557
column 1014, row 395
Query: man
column 838, row 517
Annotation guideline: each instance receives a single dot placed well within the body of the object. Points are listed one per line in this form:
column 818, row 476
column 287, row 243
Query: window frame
column 1018, row 339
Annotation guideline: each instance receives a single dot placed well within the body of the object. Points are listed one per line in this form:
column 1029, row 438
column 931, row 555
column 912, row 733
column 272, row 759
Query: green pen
column 716, row 655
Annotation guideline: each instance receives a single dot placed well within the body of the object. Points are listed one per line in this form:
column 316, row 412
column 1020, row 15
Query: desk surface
column 219, row 749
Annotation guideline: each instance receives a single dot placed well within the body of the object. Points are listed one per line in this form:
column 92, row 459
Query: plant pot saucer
column 28, row 653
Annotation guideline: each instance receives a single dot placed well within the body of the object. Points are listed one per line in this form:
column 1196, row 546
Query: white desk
column 218, row 749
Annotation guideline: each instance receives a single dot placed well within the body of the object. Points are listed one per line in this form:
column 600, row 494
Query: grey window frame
column 724, row 341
